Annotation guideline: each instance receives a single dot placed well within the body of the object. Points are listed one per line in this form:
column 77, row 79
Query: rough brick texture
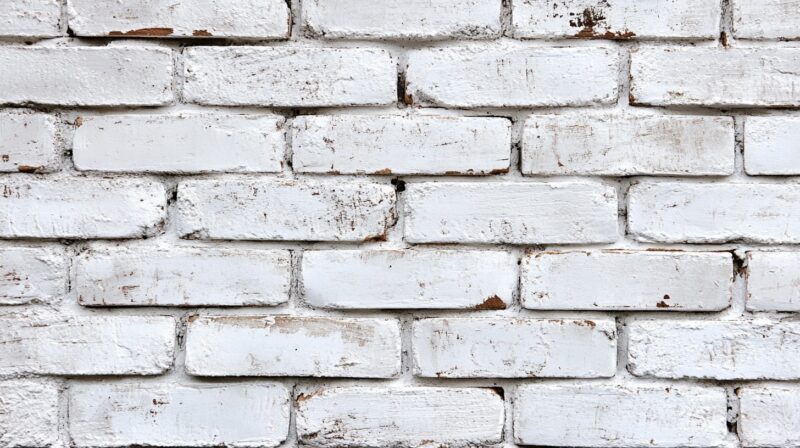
column 30, row 18
column 772, row 281
column 32, row 274
column 768, row 416
column 28, row 413
column 772, row 145
column 29, row 143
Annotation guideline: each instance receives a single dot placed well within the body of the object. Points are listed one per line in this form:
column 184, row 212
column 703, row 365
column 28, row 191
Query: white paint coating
column 413, row 144
column 768, row 416
column 293, row 346
column 183, row 277
column 28, row 143
column 514, row 348
column 773, row 281
column 766, row 19
column 408, row 416
column 772, row 145
column 28, row 413
column 122, row 414
column 30, row 18
column 29, row 274
column 181, row 143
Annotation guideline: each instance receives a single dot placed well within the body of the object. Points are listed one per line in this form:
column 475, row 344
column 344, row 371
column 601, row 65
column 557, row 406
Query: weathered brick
column 30, row 18
column 725, row 350
column 284, row 210
column 388, row 279
column 623, row 19
column 415, row 144
column 293, row 346
column 623, row 144
column 80, row 208
column 512, row 75
column 492, row 348
column 183, row 143
column 169, row 18
column 389, row 19
column 183, row 277
column 768, row 416
column 772, row 281
column 766, row 19
column 28, row 143
column 408, row 416
column 86, row 76
column 511, row 212
column 119, row 345
column 682, row 212
column 29, row 274
column 733, row 77
column 627, row 281
column 618, row 415
column 122, row 414
column 28, row 413
column 289, row 77
column 771, row 145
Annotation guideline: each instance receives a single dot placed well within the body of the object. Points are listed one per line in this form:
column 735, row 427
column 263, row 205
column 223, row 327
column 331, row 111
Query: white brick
column 621, row 19
column 32, row 275
column 409, row 416
column 289, row 77
column 293, row 346
column 515, row 213
column 773, row 281
column 514, row 348
column 766, row 19
column 716, row 350
column 183, row 277
column 771, row 145
column 284, row 210
column 768, row 416
column 120, row 345
column 162, row 414
column 508, row 75
column 627, row 281
column 80, row 208
column 390, row 279
column 616, row 415
column 715, row 77
column 714, row 212
column 30, row 18
column 86, row 76
column 183, row 143
column 415, row 19
column 182, row 18
column 28, row 143
column 623, row 144
column 28, row 413
column 358, row 144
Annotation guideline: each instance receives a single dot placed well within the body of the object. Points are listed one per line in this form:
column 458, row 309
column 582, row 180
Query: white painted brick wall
column 30, row 18
column 772, row 281
column 769, row 416
column 28, row 143
column 772, row 145
column 32, row 274
column 28, row 413
column 766, row 19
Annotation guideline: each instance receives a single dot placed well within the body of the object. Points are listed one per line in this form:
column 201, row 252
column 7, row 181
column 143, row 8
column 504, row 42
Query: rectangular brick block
column 86, row 76
column 627, row 281
column 682, row 212
column 494, row 348
column 32, row 275
column 727, row 350
column 772, row 281
column 265, row 19
column 768, row 416
column 772, row 145
column 618, row 415
column 619, row 20
column 289, row 77
column 415, row 144
column 389, row 279
column 514, row 213
column 80, row 208
column 122, row 414
column 511, row 75
column 98, row 345
column 389, row 19
column 293, row 346
column 408, row 416
column 183, row 277
column 28, row 143
column 766, row 19
column 30, row 18
column 732, row 77
column 28, row 413
column 624, row 144
column 284, row 210
column 182, row 143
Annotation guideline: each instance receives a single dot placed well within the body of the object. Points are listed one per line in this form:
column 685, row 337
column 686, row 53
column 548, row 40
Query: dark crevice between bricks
column 399, row 185
column 739, row 265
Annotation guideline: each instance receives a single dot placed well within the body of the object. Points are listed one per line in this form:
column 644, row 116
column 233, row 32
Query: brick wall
column 448, row 223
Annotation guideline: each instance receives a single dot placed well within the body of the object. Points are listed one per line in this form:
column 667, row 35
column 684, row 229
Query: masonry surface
column 386, row 223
